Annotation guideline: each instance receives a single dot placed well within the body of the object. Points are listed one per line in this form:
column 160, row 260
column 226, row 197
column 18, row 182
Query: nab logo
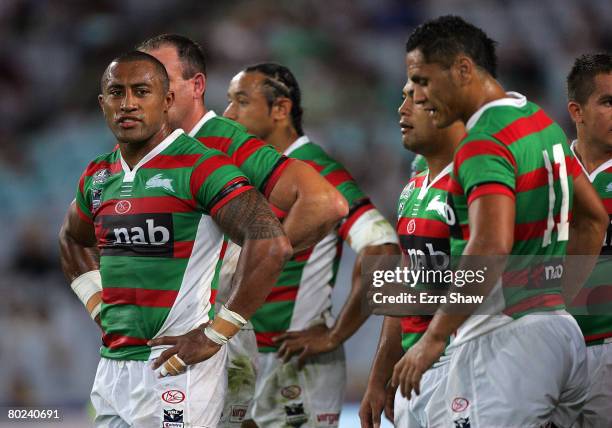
column 138, row 235
column 158, row 181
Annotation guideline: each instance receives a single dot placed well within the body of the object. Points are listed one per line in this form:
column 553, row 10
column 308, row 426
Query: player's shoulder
column 311, row 151
column 222, row 126
column 107, row 162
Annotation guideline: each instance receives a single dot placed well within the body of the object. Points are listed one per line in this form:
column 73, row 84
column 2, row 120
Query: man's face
column 419, row 134
column 184, row 89
column 434, row 89
column 133, row 100
column 597, row 111
column 248, row 105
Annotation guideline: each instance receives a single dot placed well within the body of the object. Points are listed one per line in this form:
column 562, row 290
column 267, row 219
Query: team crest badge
column 295, row 415
column 101, row 176
column 96, row 199
column 123, row 206
column 405, row 195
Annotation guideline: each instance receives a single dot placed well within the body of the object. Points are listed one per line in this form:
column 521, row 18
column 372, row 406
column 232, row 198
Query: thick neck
column 195, row 114
column 591, row 154
column 484, row 91
column 282, row 137
column 452, row 136
column 132, row 153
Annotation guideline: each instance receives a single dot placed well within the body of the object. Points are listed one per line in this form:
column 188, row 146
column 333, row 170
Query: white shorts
column 412, row 413
column 241, row 367
column 527, row 373
column 597, row 411
column 307, row 398
column 130, row 394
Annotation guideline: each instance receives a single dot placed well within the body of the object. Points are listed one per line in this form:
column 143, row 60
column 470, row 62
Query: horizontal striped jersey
column 422, row 227
column 259, row 162
column 158, row 243
column 596, row 295
column 513, row 148
column 302, row 293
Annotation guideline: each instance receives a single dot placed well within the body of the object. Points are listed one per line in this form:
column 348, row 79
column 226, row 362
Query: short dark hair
column 134, row 56
column 189, row 52
column 280, row 82
column 581, row 79
column 442, row 39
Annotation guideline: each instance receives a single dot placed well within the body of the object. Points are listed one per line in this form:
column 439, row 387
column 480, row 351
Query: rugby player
column 513, row 184
column 157, row 208
column 422, row 226
column 296, row 319
column 589, row 90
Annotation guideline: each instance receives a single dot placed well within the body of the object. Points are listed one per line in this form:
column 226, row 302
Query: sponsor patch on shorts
column 291, row 392
column 173, row 418
column 237, row 413
column 459, row 404
column 330, row 419
column 462, row 422
column 173, row 396
column 295, row 415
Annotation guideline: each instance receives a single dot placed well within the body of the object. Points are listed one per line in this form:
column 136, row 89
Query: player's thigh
column 597, row 410
column 312, row 396
column 241, row 375
column 513, row 376
column 402, row 416
column 107, row 394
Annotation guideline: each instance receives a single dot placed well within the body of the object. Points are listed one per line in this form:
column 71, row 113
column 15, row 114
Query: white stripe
column 514, row 99
column 209, row 115
column 130, row 174
column 427, row 185
column 296, row 145
column 592, row 176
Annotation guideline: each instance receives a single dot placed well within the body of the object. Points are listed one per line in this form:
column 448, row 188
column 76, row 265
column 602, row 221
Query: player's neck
column 591, row 154
column 436, row 163
column 196, row 114
column 484, row 92
column 282, row 138
column 133, row 152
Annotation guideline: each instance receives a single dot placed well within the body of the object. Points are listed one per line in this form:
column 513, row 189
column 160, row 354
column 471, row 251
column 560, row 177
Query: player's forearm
column 261, row 262
column 388, row 352
column 355, row 312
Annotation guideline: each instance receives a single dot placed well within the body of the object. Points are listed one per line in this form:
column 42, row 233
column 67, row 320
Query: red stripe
column 237, row 192
column 280, row 214
column 219, row 143
column 482, row 147
column 454, row 187
column 535, row 229
column 424, row 227
column 349, row 222
column 338, row 177
column 442, row 183
column 159, row 204
column 303, row 256
column 608, row 205
column 92, row 168
column 83, row 216
column 599, row 336
column 523, row 127
column 539, row 301
column 315, row 165
column 490, row 189
column 139, row 297
column 282, row 294
column 175, row 161
column 183, row 249
column 203, row 171
column 415, row 324
column 275, row 176
column 246, row 150
column 213, row 296
column 265, row 339
column 601, row 294
column 539, row 177
column 114, row 341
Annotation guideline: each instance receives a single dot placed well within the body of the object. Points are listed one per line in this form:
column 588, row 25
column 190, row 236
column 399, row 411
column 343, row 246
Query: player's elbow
column 279, row 250
column 331, row 206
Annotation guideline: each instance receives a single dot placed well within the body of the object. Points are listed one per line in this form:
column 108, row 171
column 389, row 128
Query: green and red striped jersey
column 302, row 294
column 596, row 295
column 158, row 243
column 418, row 165
column 422, row 226
column 514, row 148
column 259, row 162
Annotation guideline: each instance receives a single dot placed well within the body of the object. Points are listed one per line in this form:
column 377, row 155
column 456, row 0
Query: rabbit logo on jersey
column 442, row 209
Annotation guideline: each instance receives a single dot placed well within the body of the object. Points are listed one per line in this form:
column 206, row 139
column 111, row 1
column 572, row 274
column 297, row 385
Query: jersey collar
column 296, row 145
column 209, row 115
column 129, row 174
column 514, row 99
column 607, row 164
column 426, row 184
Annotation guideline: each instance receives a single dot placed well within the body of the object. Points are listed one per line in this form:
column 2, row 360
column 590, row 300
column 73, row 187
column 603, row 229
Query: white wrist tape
column 216, row 337
column 85, row 286
column 231, row 316
column 95, row 311
column 371, row 229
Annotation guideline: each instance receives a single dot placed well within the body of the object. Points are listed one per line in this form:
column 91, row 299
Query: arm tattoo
column 248, row 216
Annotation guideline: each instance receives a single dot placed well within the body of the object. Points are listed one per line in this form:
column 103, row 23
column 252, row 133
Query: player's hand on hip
column 190, row 348
column 409, row 369
column 311, row 341
column 372, row 406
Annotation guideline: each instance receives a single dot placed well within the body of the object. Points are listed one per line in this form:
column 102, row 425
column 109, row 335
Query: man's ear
column 101, row 102
column 463, row 69
column 199, row 81
column 575, row 111
column 281, row 109
column 169, row 100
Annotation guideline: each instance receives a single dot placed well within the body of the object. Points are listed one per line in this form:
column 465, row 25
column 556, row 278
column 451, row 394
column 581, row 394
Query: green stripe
column 142, row 272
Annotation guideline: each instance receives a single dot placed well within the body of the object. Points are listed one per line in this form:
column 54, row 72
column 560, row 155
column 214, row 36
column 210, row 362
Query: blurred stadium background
column 348, row 56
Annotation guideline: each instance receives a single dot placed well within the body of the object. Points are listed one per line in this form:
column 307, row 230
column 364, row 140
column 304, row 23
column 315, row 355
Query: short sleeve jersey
column 158, row 243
